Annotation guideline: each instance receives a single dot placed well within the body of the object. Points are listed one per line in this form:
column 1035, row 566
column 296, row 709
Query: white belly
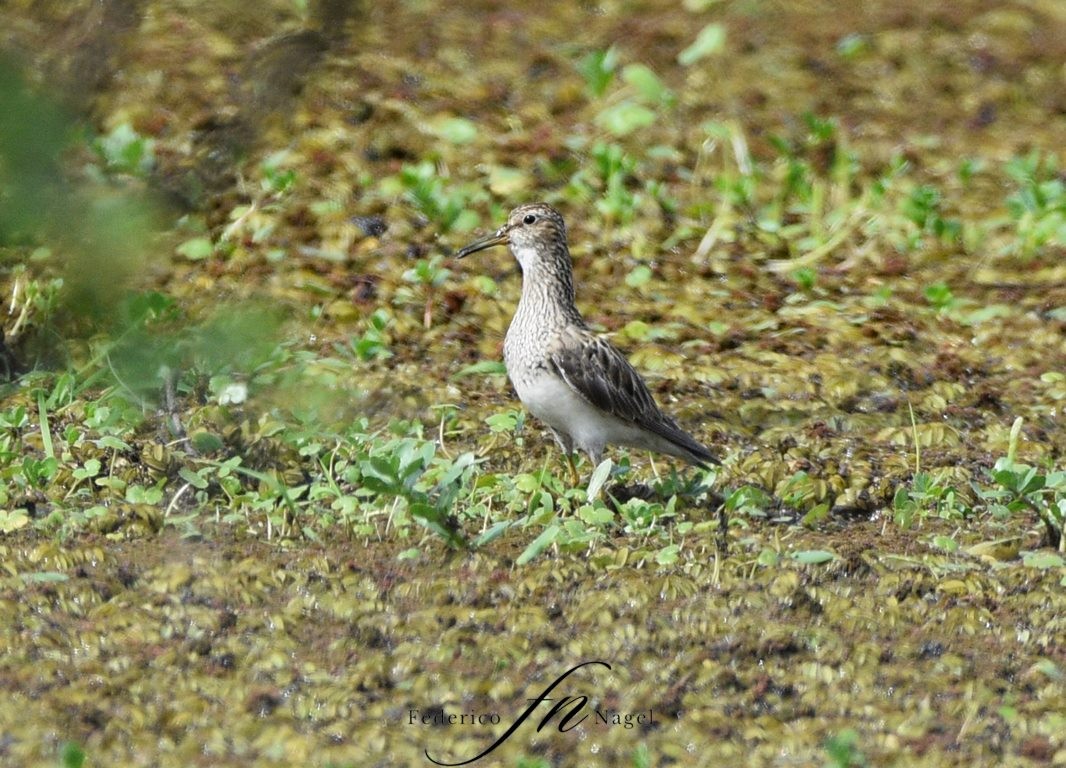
column 550, row 399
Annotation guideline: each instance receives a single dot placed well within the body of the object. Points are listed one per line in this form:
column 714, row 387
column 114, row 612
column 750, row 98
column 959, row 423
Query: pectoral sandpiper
column 577, row 383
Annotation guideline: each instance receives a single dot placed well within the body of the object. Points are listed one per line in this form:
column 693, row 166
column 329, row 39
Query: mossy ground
column 830, row 235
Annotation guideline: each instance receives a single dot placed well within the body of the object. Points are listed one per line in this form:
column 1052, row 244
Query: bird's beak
column 498, row 238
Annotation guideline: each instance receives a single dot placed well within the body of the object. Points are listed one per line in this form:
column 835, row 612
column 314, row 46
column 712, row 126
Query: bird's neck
column 548, row 290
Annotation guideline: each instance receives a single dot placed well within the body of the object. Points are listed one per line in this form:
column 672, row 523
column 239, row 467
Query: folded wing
column 600, row 374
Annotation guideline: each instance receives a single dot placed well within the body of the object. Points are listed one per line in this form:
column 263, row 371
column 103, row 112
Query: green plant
column 923, row 208
column 1017, row 487
column 444, row 204
column 852, row 46
column 277, row 180
column 637, row 104
column 258, row 219
column 512, row 420
column 1038, row 204
column 125, row 151
column 747, row 501
column 456, row 130
column 597, row 67
column 842, row 750
column 38, row 472
column 805, row 278
column 939, row 295
column 428, row 275
column 647, row 85
column 625, row 117
column 802, row 492
column 532, row 762
column 641, row 517
column 609, row 179
column 32, row 297
column 373, row 344
column 926, row 496
column 641, row 757
column 71, row 755
column 394, row 469
column 709, row 41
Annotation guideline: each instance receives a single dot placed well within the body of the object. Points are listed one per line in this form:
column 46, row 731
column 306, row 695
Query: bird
column 573, row 380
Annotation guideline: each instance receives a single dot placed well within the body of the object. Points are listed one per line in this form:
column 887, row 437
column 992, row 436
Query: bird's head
column 532, row 232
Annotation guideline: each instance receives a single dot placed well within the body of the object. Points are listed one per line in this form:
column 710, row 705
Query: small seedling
column 373, row 344
column 598, row 69
column 125, row 151
column 428, row 275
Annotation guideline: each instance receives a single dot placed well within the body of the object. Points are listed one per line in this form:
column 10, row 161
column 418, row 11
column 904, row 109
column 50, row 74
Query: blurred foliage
column 152, row 339
column 100, row 232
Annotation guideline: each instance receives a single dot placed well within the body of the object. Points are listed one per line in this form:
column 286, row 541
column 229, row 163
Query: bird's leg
column 566, row 445
column 575, row 478
column 654, row 469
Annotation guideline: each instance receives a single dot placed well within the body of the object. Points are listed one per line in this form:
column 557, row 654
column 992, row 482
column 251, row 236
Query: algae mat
column 171, row 652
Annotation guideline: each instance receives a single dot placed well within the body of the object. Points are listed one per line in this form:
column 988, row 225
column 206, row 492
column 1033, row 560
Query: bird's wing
column 600, row 374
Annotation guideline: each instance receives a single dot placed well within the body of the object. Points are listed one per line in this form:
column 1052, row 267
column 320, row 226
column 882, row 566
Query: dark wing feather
column 598, row 372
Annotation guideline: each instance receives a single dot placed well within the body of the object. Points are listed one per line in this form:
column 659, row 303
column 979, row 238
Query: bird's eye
column 529, row 219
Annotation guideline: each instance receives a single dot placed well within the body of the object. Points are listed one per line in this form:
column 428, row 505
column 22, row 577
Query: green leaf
column 1056, row 480
column 482, row 367
column 668, row 554
column 90, row 469
column 647, row 84
column 599, row 477
column 46, row 430
column 598, row 70
column 767, row 557
column 816, row 514
column 625, row 117
column 843, row 749
column 138, row 494
column 946, row 543
column 192, row 478
column 984, row 314
column 457, row 130
column 851, row 45
column 1049, row 669
column 526, row 483
column 45, row 577
column 710, row 40
column 1043, row 560
column 13, row 520
column 539, row 544
column 124, row 150
column 206, row 442
column 597, row 515
column 437, row 521
column 805, row 278
column 813, row 556
column 502, row 422
column 197, row 249
column 115, row 483
column 456, row 469
column 640, row 275
column 71, row 755
column 386, row 469
column 496, row 530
